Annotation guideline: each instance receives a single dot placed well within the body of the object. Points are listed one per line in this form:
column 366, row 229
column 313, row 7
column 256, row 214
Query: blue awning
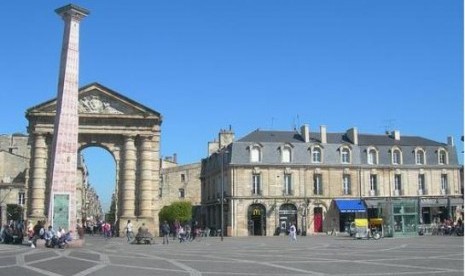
column 350, row 205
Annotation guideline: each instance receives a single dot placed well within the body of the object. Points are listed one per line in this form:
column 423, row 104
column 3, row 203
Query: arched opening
column 256, row 220
column 99, row 193
column 287, row 215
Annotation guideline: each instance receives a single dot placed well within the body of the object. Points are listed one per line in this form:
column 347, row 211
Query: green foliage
column 14, row 212
column 180, row 211
column 111, row 215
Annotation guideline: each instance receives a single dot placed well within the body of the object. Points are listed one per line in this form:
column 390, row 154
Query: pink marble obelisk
column 62, row 208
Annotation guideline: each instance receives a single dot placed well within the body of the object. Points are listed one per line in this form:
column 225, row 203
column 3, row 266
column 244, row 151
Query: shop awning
column 374, row 203
column 456, row 201
column 433, row 202
column 350, row 205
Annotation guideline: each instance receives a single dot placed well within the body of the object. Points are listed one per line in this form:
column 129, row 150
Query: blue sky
column 205, row 65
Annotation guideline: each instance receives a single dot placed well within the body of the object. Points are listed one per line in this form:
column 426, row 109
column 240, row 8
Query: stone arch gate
column 125, row 128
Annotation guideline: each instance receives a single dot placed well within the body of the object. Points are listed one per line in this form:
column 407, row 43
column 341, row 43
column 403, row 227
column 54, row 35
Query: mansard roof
column 272, row 136
column 272, row 140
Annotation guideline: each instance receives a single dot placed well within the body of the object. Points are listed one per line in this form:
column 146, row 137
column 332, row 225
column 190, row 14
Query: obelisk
column 63, row 170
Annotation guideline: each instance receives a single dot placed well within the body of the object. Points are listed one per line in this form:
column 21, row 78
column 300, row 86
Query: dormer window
column 255, row 154
column 396, row 157
column 316, row 154
column 286, row 154
column 419, row 156
column 372, row 157
column 345, row 155
column 442, row 157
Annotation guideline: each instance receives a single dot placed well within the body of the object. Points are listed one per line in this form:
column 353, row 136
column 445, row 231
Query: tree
column 180, row 210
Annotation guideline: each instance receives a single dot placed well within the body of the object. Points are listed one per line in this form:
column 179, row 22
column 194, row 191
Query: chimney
column 175, row 158
column 352, row 134
column 323, row 134
column 213, row 147
column 305, row 132
column 396, row 135
column 450, row 141
column 225, row 137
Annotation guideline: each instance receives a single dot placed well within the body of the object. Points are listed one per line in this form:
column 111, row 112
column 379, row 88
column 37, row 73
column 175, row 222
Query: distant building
column 14, row 164
column 321, row 180
column 179, row 183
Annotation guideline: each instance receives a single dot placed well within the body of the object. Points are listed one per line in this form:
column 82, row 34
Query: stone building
column 179, row 183
column 321, row 180
column 14, row 161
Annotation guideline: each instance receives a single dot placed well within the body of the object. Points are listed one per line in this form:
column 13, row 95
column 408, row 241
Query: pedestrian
column 39, row 233
column 333, row 227
column 165, row 230
column 129, row 233
column 292, row 233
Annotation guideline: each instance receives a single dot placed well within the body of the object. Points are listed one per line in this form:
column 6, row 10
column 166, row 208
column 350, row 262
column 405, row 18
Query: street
column 311, row 255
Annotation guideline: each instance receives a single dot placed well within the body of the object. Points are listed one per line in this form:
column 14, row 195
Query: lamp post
column 222, row 193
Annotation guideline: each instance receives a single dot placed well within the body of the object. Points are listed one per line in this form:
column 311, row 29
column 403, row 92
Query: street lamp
column 222, row 193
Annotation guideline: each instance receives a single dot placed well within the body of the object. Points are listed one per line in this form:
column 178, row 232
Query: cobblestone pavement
column 311, row 255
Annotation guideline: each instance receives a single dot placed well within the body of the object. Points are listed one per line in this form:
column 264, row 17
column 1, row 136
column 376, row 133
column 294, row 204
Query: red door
column 318, row 219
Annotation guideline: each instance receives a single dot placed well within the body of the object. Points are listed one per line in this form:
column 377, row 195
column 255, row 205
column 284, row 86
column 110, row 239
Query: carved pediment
column 99, row 104
column 99, row 100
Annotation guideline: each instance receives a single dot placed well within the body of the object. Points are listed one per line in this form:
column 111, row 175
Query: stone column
column 129, row 177
column 146, row 177
column 39, row 176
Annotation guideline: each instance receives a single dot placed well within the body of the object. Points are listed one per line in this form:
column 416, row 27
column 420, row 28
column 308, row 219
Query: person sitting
column 65, row 239
column 49, row 237
column 17, row 235
column 7, row 234
column 144, row 235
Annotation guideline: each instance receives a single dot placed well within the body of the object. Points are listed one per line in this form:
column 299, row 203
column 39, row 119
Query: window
column 444, row 183
column 318, row 184
column 372, row 157
column 287, row 184
column 255, row 154
column 373, row 183
column 316, row 155
column 397, row 182
column 421, row 182
column 396, row 157
column 181, row 193
column 345, row 155
column 21, row 198
column 286, row 155
column 346, row 184
column 256, row 184
column 183, row 177
column 442, row 157
column 419, row 157
column 160, row 192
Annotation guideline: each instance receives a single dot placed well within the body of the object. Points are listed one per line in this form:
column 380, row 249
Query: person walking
column 292, row 233
column 165, row 230
column 129, row 233
column 333, row 227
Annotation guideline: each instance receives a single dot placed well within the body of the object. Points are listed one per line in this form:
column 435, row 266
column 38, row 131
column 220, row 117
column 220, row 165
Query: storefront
column 405, row 217
column 349, row 210
column 433, row 210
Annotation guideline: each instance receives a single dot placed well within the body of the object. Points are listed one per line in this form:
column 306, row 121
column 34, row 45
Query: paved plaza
column 311, row 255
